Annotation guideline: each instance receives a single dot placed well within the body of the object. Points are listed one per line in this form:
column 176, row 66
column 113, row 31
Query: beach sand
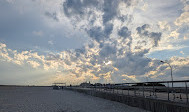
column 45, row 99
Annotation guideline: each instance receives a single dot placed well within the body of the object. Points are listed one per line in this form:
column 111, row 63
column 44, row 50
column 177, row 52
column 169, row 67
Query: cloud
column 184, row 18
column 124, row 32
column 34, row 64
column 111, row 46
column 143, row 32
column 107, row 51
column 52, row 15
column 22, row 58
column 77, row 7
column 164, row 25
column 95, row 14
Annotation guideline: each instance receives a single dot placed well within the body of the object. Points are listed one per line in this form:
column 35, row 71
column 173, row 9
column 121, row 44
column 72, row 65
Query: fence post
column 122, row 89
column 134, row 90
column 168, row 91
column 153, row 90
column 117, row 91
column 128, row 89
column 113, row 89
column 143, row 89
column 186, row 92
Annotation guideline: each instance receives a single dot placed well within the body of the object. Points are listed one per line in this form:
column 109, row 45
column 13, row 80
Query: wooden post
column 186, row 92
column 143, row 89
column 168, row 91
column 128, row 89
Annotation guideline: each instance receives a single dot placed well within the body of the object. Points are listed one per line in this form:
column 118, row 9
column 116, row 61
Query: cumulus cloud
column 109, row 57
column 164, row 25
column 143, row 32
column 183, row 19
column 34, row 64
column 110, row 53
column 124, row 32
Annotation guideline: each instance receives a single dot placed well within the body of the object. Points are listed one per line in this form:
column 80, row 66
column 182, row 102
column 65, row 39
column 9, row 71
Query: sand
column 45, row 99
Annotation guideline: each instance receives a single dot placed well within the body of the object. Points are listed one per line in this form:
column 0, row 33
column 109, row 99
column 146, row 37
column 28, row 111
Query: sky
column 101, row 41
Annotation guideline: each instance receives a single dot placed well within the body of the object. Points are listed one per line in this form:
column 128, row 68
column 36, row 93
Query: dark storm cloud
column 143, row 32
column 77, row 7
column 124, row 32
column 156, row 37
column 84, row 8
column 107, row 50
column 99, row 34
column 74, row 8
column 96, row 33
column 110, row 9
column 108, row 29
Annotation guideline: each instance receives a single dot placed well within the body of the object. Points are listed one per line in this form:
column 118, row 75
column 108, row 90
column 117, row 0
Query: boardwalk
column 44, row 99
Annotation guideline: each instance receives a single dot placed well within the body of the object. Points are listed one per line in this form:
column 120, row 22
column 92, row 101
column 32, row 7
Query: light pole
column 171, row 71
column 171, row 76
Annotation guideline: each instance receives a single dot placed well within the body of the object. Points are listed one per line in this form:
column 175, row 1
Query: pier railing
column 172, row 91
column 164, row 96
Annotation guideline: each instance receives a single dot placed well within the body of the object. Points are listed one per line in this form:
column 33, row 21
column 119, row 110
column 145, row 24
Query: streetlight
column 171, row 71
column 171, row 75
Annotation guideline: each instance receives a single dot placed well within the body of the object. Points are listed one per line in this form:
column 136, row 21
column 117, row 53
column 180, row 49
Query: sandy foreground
column 45, row 99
